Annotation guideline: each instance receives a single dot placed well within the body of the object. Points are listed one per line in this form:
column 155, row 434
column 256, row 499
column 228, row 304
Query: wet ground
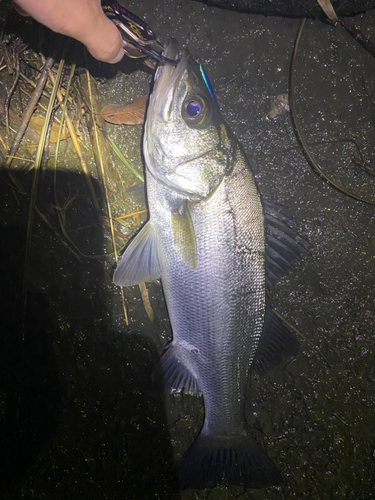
column 79, row 418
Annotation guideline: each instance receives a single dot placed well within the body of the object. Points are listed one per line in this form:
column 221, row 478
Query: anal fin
column 174, row 375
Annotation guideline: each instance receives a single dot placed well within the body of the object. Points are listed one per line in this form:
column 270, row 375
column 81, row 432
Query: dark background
column 79, row 417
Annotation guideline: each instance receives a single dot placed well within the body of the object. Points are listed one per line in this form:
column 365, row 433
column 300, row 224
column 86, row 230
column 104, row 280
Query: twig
column 103, row 179
column 30, row 109
column 33, row 193
column 3, row 144
column 72, row 69
column 77, row 147
column 46, row 94
column 121, row 156
column 10, row 93
column 120, row 217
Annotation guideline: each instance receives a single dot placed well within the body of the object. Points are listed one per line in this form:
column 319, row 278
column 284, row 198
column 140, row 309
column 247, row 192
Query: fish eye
column 195, row 111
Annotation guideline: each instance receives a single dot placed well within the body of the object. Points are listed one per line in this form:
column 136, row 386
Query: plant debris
column 36, row 123
column 132, row 113
column 279, row 106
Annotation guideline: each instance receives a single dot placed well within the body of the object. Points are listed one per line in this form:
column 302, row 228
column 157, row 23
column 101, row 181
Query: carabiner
column 138, row 38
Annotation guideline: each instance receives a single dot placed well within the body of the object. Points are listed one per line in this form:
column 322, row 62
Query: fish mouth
column 167, row 74
column 170, row 50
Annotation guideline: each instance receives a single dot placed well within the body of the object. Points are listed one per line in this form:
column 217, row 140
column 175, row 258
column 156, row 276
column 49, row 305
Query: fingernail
column 118, row 58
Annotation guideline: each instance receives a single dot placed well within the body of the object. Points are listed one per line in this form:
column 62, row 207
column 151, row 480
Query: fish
column 208, row 237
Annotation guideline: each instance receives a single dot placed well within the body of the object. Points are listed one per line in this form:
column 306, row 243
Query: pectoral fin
column 140, row 261
column 184, row 236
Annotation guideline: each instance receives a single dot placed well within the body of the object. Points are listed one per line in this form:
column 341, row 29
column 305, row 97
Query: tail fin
column 236, row 460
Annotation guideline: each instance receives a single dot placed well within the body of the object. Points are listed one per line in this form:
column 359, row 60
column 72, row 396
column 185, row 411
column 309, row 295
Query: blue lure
column 208, row 83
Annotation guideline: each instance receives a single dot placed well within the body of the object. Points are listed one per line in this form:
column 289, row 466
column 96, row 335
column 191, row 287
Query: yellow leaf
column 36, row 123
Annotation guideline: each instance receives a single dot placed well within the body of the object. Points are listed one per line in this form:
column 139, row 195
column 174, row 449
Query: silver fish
column 208, row 237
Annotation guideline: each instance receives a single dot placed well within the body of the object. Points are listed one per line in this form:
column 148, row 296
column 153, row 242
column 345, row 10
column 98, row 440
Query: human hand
column 83, row 20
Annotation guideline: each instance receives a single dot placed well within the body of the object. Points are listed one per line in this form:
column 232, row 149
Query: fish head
column 187, row 145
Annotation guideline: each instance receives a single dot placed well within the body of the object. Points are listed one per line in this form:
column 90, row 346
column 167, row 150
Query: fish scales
column 210, row 329
column 206, row 239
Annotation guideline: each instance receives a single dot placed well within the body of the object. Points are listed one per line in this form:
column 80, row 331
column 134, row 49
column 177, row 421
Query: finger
column 106, row 45
column 19, row 9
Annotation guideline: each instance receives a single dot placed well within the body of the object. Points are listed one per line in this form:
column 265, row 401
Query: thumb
column 105, row 44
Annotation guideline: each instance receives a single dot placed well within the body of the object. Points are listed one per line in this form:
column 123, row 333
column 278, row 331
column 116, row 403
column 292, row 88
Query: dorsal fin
column 277, row 342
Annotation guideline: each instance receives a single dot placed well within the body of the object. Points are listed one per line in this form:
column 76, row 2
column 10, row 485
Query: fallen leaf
column 146, row 301
column 36, row 123
column 279, row 106
column 131, row 114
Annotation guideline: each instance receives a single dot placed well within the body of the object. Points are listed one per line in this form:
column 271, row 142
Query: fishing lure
column 208, row 83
